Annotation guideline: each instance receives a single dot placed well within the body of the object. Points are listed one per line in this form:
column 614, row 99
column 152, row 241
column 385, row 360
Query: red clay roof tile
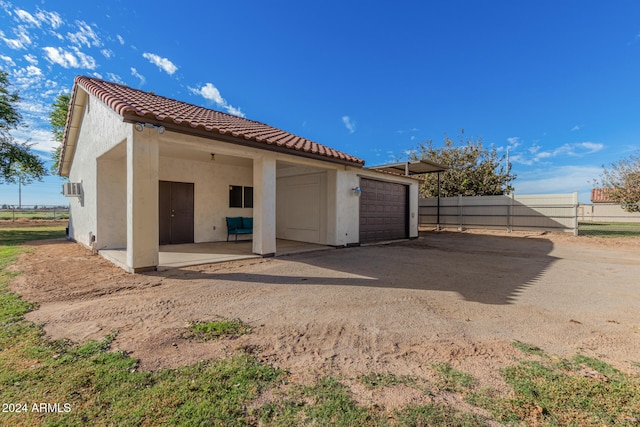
column 601, row 195
column 127, row 101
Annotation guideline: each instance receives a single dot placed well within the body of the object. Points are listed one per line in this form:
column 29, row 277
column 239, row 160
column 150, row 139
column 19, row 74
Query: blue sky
column 556, row 82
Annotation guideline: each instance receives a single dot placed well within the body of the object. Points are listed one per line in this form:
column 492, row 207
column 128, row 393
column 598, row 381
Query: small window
column 248, row 197
column 235, row 196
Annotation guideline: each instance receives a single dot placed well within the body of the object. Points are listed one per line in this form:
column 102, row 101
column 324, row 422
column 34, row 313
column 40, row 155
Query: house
column 601, row 195
column 150, row 171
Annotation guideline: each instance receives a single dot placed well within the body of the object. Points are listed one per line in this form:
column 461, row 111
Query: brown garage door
column 383, row 211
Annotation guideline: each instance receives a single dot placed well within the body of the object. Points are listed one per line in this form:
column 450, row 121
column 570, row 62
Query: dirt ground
column 454, row 297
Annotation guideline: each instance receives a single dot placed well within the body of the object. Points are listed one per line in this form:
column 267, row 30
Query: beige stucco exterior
column 295, row 198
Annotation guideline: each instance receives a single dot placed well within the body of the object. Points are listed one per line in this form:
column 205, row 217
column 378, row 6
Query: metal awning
column 415, row 167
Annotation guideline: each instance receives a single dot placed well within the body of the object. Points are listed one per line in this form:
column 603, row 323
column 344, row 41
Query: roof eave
column 186, row 129
column 70, row 137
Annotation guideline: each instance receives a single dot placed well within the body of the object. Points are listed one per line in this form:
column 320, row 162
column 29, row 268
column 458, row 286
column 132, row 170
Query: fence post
column 460, row 213
column 575, row 213
column 13, row 213
column 510, row 213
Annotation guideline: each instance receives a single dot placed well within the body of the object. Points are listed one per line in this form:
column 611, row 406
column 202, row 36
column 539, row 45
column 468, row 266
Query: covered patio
column 190, row 254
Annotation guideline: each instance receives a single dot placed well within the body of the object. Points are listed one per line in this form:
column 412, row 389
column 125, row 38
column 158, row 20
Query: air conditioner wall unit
column 72, row 189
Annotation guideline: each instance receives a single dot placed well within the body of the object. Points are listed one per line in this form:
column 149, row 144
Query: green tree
column 17, row 161
column 473, row 169
column 622, row 178
column 58, row 121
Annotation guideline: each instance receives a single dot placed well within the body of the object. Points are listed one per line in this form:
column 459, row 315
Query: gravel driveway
column 461, row 298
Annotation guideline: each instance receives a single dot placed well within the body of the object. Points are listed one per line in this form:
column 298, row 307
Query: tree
column 473, row 169
column 58, row 121
column 622, row 178
column 16, row 159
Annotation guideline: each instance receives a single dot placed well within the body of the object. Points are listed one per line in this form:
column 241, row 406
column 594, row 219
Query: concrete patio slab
column 189, row 254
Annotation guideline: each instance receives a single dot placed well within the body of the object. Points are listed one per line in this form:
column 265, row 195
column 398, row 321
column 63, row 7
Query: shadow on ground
column 480, row 268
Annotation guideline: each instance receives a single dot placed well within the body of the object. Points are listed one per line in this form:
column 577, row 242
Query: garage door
column 383, row 211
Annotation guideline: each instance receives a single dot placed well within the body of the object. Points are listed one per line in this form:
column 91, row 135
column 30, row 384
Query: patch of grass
column 326, row 403
column 560, row 393
column 105, row 387
column 436, row 415
column 374, row 380
column 451, row 379
column 101, row 387
column 205, row 331
column 528, row 348
column 49, row 214
column 609, row 229
column 19, row 235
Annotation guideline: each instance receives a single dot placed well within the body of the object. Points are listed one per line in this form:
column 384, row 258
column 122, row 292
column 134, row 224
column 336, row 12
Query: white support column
column 414, row 213
column 264, row 205
column 333, row 238
column 142, row 200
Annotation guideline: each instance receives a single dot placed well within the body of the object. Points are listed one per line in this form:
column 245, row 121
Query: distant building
column 601, row 195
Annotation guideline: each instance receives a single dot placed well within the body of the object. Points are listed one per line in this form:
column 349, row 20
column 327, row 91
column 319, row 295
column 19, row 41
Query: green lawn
column 26, row 214
column 45, row 383
column 609, row 229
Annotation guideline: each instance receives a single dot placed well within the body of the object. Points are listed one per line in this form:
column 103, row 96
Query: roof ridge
column 132, row 102
column 125, row 87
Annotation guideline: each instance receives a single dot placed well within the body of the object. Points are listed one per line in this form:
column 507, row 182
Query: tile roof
column 600, row 195
column 134, row 103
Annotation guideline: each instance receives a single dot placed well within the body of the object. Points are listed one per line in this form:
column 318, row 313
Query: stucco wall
column 101, row 130
column 348, row 204
column 211, row 181
column 301, row 202
column 112, row 202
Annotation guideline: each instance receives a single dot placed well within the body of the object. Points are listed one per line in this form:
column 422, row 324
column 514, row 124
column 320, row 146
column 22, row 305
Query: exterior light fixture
column 140, row 127
column 213, row 156
column 357, row 191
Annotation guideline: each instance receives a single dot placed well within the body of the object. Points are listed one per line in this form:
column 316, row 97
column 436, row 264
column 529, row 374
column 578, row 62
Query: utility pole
column 507, row 164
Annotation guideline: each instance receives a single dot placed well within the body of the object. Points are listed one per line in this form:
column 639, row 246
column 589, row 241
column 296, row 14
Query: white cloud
column 575, row 128
column 407, row 131
column 579, row 149
column 85, row 36
column 349, row 124
column 41, row 139
column 26, row 17
column 67, row 59
column 107, row 53
column 86, row 61
column 136, row 74
column 57, row 55
column 31, row 59
column 562, row 179
column 514, row 141
column 211, row 93
column 234, row 111
column 120, row 39
column 8, row 60
column 27, row 78
column 592, row 147
column 114, row 78
column 51, row 18
column 162, row 63
column 21, row 42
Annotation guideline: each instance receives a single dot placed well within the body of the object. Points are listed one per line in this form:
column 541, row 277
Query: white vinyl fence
column 606, row 212
column 545, row 212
